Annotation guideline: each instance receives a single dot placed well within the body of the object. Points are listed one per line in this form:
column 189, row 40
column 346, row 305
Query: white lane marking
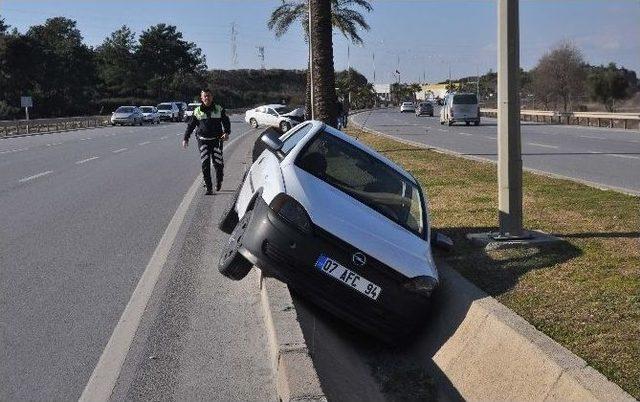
column 179, row 134
column 164, row 138
column 467, row 134
column 625, row 156
column 145, row 143
column 10, row 151
column 119, row 150
column 106, row 373
column 85, row 139
column 442, row 129
column 87, row 160
column 35, row 176
column 543, row 145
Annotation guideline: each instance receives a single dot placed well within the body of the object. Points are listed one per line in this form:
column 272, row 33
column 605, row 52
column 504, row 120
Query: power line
column 261, row 55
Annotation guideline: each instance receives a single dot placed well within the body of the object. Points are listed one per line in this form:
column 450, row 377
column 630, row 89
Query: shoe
column 209, row 192
column 218, row 186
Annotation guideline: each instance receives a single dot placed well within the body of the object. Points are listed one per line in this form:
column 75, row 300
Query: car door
column 272, row 117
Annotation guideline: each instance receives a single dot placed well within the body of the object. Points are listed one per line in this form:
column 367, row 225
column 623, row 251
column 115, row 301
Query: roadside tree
column 559, row 76
column 608, row 84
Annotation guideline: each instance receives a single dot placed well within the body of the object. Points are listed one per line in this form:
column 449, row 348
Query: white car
column 339, row 223
column 407, row 107
column 460, row 107
column 150, row 114
column 190, row 108
column 169, row 111
column 279, row 116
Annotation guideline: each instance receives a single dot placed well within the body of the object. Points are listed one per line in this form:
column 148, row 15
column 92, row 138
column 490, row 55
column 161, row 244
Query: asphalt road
column 607, row 158
column 82, row 214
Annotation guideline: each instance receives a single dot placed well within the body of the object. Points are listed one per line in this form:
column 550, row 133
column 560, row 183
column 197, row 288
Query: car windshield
column 164, row 106
column 147, row 109
column 191, row 108
column 466, row 99
column 283, row 109
column 407, row 103
column 124, row 109
column 365, row 178
column 424, row 104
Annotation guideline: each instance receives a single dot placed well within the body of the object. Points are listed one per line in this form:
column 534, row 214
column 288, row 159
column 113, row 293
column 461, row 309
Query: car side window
column 271, row 112
column 291, row 140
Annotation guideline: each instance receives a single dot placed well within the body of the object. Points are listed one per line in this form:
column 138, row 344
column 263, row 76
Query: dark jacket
column 209, row 123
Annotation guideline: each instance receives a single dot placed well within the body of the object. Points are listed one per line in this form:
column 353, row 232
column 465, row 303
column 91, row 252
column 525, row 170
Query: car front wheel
column 232, row 264
column 253, row 122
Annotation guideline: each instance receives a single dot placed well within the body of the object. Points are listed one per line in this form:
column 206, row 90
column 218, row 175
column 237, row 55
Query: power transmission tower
column 234, row 45
column 261, row 55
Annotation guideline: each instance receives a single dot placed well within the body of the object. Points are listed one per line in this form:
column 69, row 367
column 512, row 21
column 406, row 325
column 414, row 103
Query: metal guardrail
column 9, row 128
column 546, row 116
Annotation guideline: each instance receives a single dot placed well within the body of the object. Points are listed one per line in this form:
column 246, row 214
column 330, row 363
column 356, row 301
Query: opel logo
column 359, row 259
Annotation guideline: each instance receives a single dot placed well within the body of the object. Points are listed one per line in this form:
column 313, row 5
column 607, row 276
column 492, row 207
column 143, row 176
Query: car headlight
column 291, row 211
column 422, row 285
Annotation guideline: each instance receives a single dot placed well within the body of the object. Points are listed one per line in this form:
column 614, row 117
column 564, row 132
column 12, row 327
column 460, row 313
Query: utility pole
column 234, row 47
column 349, row 75
column 373, row 56
column 477, row 83
column 509, row 145
column 261, row 55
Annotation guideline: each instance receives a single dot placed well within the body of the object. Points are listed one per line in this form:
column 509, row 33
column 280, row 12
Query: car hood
column 359, row 225
column 295, row 113
column 122, row 115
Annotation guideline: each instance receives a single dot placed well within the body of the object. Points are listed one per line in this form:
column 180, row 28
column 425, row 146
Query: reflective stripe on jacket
column 209, row 123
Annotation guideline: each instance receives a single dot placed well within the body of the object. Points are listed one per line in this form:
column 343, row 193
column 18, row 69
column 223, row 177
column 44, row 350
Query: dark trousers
column 211, row 151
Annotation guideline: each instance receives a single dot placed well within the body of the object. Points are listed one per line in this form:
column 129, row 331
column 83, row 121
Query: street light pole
column 509, row 145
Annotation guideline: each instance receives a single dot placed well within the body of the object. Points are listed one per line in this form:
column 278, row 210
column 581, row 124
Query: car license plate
column 348, row 277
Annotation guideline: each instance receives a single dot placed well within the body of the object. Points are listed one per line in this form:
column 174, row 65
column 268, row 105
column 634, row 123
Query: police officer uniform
column 209, row 123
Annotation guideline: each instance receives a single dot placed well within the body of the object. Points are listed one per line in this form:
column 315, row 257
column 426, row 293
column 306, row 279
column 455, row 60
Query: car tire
column 229, row 218
column 285, row 126
column 450, row 123
column 476, row 123
column 253, row 122
column 467, row 123
column 232, row 264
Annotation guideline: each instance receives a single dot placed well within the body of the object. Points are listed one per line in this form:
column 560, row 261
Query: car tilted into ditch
column 342, row 225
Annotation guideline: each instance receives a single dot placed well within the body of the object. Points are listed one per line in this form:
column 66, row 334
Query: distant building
column 383, row 92
column 432, row 91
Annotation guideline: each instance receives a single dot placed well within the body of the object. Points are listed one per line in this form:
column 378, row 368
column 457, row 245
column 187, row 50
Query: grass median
column 584, row 292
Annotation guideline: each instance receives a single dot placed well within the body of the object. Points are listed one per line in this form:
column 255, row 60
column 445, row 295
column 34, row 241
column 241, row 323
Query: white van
column 460, row 107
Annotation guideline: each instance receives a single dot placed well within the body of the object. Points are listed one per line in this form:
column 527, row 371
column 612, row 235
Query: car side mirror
column 441, row 241
column 272, row 140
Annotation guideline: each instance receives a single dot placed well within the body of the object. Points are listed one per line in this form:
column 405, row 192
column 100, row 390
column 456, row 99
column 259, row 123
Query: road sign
column 26, row 101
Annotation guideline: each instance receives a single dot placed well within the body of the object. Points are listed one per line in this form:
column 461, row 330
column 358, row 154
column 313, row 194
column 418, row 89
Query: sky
column 423, row 39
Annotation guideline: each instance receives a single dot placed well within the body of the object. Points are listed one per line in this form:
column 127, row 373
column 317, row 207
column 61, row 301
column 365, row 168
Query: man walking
column 213, row 127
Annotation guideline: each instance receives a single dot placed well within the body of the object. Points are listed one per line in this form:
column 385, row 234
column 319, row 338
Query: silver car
column 150, row 114
column 130, row 115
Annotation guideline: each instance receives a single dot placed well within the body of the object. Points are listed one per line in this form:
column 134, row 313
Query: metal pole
column 509, row 146
column 311, row 63
column 26, row 110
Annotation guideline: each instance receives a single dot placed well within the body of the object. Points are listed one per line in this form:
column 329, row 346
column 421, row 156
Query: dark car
column 424, row 109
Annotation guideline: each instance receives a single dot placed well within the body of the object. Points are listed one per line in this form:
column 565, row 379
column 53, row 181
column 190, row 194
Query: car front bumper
column 286, row 253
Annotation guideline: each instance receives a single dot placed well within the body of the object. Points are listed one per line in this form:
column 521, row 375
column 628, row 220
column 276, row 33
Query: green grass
column 583, row 292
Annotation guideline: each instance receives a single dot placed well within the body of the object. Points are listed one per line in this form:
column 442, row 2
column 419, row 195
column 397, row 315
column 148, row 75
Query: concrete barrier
column 485, row 351
column 296, row 377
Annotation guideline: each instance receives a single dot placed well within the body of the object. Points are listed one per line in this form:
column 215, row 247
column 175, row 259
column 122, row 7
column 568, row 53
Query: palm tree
column 343, row 18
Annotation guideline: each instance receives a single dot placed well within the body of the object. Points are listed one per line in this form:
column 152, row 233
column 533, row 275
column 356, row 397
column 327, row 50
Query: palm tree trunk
column 324, row 80
column 307, row 109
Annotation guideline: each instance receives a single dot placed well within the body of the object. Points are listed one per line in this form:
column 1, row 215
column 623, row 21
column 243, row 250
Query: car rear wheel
column 450, row 123
column 253, row 122
column 232, row 264
column 476, row 123
column 285, row 126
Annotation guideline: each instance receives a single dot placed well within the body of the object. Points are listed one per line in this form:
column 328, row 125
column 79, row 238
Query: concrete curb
column 488, row 352
column 296, row 377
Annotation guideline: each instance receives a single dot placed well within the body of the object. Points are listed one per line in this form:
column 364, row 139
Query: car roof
column 318, row 125
column 273, row 105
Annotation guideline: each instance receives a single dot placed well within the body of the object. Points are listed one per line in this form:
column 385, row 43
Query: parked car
column 190, row 108
column 130, row 115
column 407, row 107
column 182, row 108
column 339, row 223
column 424, row 108
column 169, row 111
column 150, row 114
column 279, row 116
column 460, row 107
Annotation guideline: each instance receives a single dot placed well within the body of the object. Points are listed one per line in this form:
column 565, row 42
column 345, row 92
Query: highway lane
column 608, row 158
column 82, row 213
